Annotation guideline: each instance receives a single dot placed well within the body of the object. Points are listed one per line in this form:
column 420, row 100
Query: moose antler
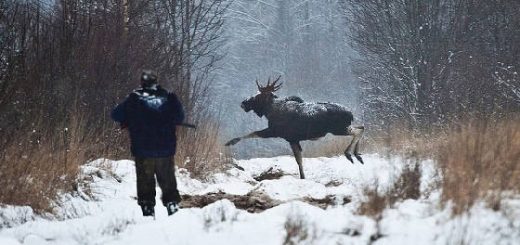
column 270, row 87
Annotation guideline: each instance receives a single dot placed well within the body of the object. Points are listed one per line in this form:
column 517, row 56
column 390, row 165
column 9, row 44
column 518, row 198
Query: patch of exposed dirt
column 334, row 183
column 270, row 174
column 253, row 202
column 327, row 201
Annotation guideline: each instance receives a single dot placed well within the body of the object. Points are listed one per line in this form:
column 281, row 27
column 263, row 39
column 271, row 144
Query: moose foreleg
column 297, row 150
column 266, row 133
column 357, row 132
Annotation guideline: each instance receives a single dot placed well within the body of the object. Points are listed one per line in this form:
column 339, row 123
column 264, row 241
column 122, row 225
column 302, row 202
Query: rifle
column 188, row 125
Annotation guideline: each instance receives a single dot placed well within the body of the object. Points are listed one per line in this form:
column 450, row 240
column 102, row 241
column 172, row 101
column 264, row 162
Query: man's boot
column 172, row 207
column 148, row 210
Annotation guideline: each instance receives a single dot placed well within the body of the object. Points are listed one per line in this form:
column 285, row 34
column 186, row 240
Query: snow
column 104, row 211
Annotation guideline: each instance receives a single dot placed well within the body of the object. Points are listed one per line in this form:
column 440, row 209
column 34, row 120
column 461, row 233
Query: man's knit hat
column 148, row 78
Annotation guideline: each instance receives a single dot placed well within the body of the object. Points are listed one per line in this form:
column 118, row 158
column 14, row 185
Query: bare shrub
column 480, row 161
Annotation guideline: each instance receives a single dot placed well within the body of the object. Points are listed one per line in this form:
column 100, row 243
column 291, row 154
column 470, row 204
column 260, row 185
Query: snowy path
column 115, row 218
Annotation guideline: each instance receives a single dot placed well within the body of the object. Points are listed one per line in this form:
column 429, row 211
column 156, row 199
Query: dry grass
column 394, row 141
column 201, row 151
column 407, row 186
column 329, row 146
column 480, row 161
column 477, row 160
column 375, row 203
column 39, row 164
column 270, row 174
column 36, row 166
column 253, row 202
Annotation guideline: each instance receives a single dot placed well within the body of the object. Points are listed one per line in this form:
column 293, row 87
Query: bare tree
column 429, row 62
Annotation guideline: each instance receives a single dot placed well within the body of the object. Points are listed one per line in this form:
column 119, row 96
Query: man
column 151, row 114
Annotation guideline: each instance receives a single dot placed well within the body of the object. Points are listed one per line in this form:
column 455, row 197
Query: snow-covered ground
column 110, row 215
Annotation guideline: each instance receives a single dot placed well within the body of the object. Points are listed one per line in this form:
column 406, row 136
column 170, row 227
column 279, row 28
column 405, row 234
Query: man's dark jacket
column 151, row 116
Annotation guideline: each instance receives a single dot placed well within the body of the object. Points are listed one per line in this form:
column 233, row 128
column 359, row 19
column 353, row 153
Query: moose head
column 261, row 102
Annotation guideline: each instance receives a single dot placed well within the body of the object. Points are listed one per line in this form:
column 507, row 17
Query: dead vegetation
column 375, row 203
column 477, row 161
column 328, row 146
column 37, row 165
column 270, row 174
column 396, row 141
column 480, row 161
column 254, row 201
column 407, row 186
column 201, row 151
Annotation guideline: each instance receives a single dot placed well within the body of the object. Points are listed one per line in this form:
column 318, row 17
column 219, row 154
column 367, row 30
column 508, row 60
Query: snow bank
column 105, row 211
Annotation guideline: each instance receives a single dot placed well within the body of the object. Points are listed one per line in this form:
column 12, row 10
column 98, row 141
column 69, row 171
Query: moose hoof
column 349, row 157
column 233, row 141
column 358, row 157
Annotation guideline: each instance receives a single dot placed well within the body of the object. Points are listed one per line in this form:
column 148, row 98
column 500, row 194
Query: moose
column 294, row 120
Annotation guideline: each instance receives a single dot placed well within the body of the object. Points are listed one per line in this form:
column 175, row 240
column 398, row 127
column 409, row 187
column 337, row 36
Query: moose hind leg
column 297, row 150
column 353, row 147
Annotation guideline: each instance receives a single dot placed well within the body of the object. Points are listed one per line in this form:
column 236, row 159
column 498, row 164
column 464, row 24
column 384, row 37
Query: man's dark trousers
column 147, row 169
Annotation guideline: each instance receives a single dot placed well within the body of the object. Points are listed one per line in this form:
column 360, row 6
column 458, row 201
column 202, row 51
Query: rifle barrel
column 188, row 125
